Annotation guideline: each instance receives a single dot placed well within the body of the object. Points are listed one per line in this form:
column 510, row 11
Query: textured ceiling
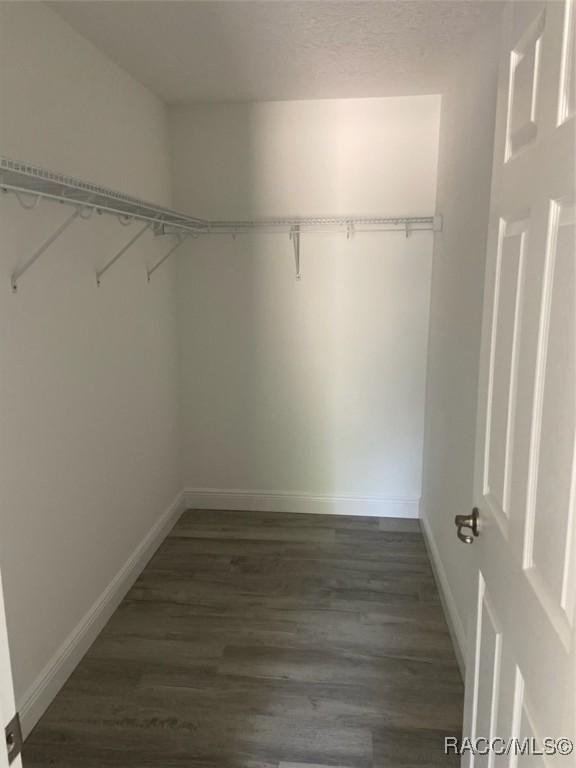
column 257, row 51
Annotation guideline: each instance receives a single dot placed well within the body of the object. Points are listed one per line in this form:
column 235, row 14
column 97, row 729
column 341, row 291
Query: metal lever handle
column 470, row 522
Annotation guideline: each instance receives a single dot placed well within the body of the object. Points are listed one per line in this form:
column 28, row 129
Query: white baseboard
column 448, row 603
column 42, row 692
column 282, row 501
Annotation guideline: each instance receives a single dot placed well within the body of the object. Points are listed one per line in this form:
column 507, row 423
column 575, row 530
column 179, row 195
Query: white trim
column 59, row 668
column 448, row 603
column 283, row 501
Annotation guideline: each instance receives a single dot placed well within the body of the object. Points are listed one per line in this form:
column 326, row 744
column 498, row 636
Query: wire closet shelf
column 31, row 183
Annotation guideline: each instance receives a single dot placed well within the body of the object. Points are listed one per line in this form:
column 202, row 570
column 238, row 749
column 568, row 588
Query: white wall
column 87, row 385
column 464, row 172
column 311, row 388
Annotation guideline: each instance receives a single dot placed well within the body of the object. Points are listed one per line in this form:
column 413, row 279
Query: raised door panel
column 567, row 91
column 524, row 85
column 548, row 553
column 488, row 656
column 503, row 377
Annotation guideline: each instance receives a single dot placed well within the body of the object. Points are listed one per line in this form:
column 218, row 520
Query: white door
column 521, row 672
column 7, row 706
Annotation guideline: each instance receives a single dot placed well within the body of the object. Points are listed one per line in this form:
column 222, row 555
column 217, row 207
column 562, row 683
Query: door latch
column 467, row 522
column 13, row 733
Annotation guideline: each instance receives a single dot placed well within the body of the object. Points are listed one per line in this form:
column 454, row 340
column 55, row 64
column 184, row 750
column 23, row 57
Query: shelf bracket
column 122, row 251
column 150, row 272
column 295, row 237
column 17, row 274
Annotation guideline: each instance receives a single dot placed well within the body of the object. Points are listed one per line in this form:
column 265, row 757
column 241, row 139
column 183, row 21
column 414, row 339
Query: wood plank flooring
column 259, row 640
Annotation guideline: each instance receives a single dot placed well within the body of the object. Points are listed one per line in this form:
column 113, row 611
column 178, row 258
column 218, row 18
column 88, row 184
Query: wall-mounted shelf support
column 17, row 274
column 295, row 237
column 121, row 252
column 23, row 179
column 150, row 272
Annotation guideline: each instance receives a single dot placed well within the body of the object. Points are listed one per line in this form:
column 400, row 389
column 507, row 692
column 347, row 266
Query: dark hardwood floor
column 258, row 640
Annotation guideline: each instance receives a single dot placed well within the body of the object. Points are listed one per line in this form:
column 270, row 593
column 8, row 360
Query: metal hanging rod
column 348, row 224
column 30, row 184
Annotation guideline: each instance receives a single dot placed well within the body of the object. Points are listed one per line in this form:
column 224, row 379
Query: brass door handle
column 471, row 523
